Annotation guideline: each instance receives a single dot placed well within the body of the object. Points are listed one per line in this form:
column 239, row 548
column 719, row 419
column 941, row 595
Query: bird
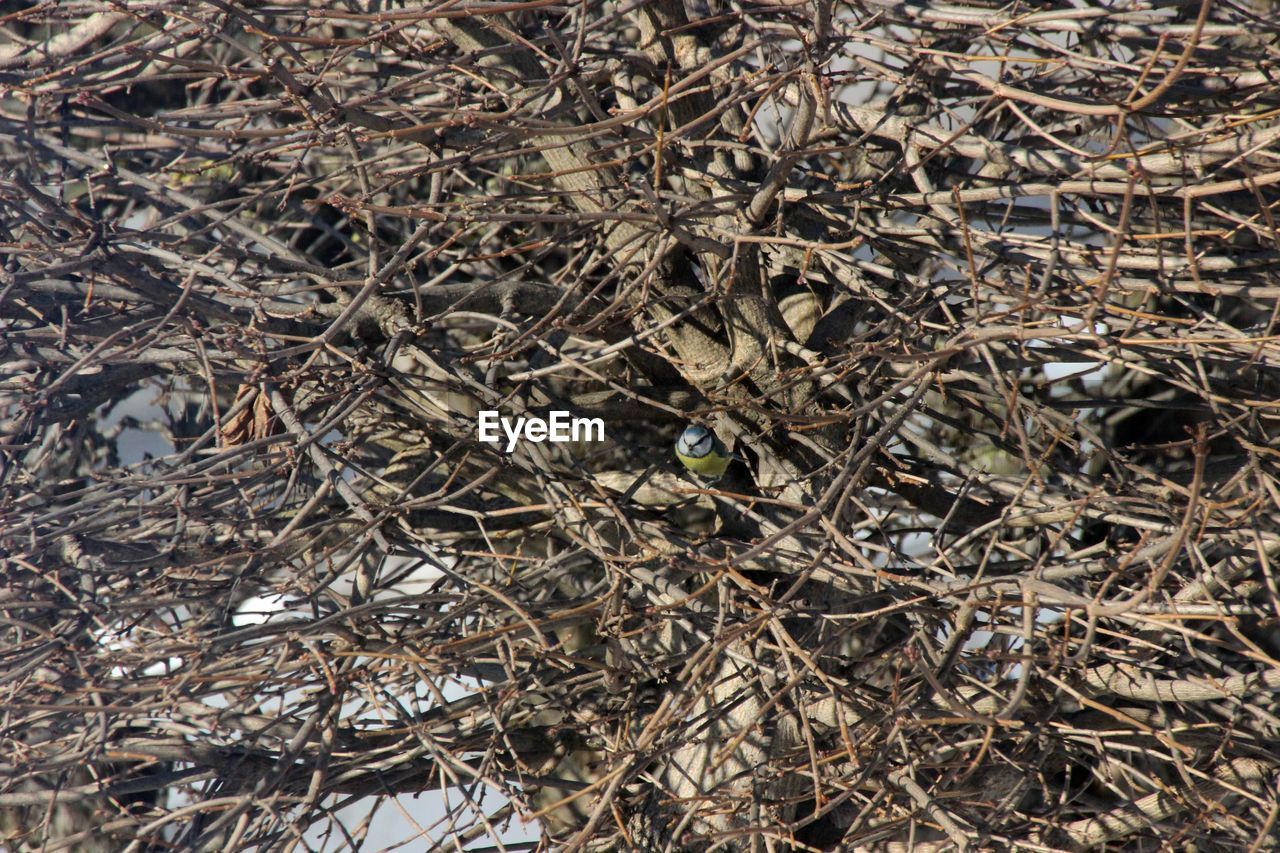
column 702, row 452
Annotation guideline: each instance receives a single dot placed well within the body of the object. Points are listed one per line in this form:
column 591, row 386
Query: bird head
column 696, row 441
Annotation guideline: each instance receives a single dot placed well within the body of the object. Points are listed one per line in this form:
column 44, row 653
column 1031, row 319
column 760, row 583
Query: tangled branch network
column 982, row 298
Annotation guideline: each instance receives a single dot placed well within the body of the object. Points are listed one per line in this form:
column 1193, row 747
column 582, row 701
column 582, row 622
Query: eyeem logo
column 559, row 427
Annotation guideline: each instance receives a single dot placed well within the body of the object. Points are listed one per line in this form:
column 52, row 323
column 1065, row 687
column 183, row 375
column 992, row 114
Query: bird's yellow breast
column 711, row 465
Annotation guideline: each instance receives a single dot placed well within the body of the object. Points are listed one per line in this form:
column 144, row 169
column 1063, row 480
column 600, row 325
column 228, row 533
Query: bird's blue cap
column 696, row 440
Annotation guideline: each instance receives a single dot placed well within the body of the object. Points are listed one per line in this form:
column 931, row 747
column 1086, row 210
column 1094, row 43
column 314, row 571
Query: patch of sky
column 1088, row 372
column 418, row 821
column 410, row 820
column 421, row 821
column 989, row 653
column 136, row 422
column 401, row 576
column 128, row 639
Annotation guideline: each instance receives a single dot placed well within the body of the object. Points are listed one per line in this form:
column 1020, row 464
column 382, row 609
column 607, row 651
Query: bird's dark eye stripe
column 702, row 446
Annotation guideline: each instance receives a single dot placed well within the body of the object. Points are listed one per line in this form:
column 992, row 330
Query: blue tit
column 702, row 452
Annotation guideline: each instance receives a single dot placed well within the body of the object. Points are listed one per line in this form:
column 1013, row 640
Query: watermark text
column 557, row 427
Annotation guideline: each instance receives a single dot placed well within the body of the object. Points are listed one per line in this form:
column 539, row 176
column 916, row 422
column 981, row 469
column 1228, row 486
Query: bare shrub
column 985, row 299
